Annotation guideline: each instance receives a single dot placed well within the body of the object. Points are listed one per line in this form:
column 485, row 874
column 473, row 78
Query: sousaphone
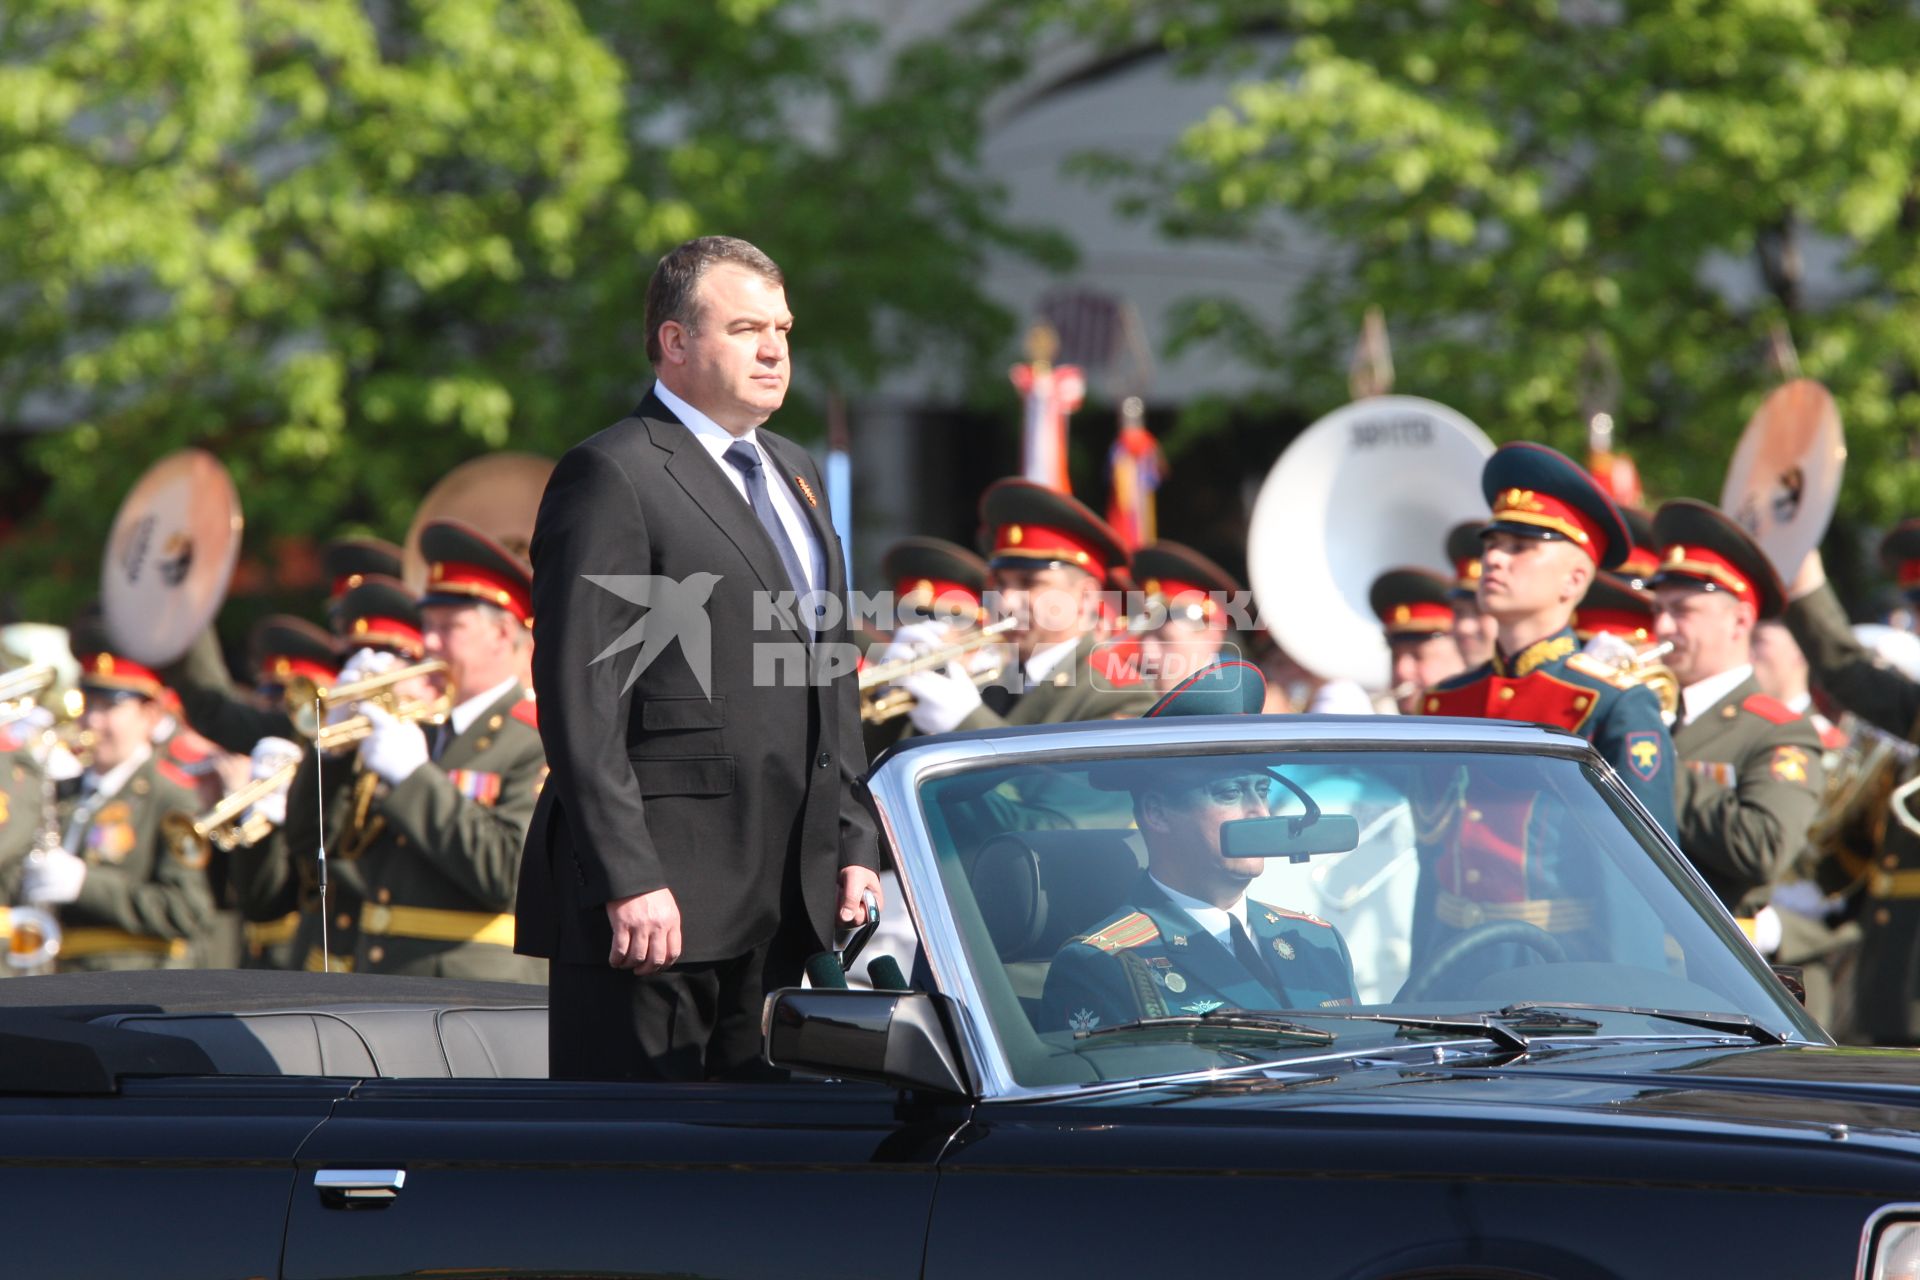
column 170, row 556
column 1373, row 485
column 497, row 494
column 1784, row 480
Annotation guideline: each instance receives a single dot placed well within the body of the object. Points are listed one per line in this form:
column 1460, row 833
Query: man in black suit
column 699, row 835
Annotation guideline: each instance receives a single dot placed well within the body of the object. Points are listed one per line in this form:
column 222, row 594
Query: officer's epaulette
column 527, row 711
column 1282, row 912
column 1772, row 710
column 1128, row 931
column 1599, row 669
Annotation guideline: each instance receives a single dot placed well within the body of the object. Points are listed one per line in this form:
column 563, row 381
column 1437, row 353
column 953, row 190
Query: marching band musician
column 277, row 891
column 1643, row 556
column 1050, row 559
column 436, row 817
column 1488, row 857
column 1614, row 610
column 347, row 562
column 938, row 587
column 1186, row 594
column 1753, row 777
column 1415, row 609
column 126, row 897
column 20, row 817
column 1472, row 630
column 1886, row 995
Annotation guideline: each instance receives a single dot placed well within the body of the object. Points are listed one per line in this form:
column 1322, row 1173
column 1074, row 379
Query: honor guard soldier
column 1415, row 608
column 127, row 898
column 1050, row 559
column 1752, row 778
column 1613, row 607
column 1472, row 630
column 436, row 817
column 1188, row 940
column 1886, row 995
column 938, row 588
column 1185, row 627
column 1486, row 857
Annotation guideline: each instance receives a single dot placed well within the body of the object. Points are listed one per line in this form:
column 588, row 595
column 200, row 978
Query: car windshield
column 1135, row 914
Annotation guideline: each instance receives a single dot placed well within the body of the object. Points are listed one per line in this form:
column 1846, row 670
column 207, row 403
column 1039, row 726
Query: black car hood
column 1842, row 1090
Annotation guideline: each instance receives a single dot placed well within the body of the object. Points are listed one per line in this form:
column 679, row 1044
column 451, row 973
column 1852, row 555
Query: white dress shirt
column 461, row 718
column 716, row 438
column 1699, row 697
column 1045, row 662
column 1215, row 921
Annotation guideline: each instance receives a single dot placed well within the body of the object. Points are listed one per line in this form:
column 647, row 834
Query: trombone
column 879, row 704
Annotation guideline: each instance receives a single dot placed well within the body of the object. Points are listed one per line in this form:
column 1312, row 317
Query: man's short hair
column 675, row 281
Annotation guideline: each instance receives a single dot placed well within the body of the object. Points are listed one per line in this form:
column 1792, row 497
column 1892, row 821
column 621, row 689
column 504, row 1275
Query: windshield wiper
column 1476, row 1024
column 1218, row 1020
column 1735, row 1022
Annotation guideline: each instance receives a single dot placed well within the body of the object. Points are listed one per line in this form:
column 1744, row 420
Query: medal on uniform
column 1176, row 983
column 1283, row 948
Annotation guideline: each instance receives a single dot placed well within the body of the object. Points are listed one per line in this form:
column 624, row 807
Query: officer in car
column 1188, row 940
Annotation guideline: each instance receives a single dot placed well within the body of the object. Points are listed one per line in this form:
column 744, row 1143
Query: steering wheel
column 1453, row 955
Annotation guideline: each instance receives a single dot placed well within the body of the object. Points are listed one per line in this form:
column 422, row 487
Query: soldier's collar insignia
column 1179, row 939
column 1536, row 655
column 1272, row 918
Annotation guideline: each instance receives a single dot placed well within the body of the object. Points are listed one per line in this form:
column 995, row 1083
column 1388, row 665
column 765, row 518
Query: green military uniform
column 144, row 904
column 1151, row 960
column 1886, row 995
column 278, row 894
column 1751, row 784
column 438, row 855
column 1075, row 690
column 20, row 817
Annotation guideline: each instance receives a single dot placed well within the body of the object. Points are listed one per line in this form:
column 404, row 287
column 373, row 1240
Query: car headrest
column 1036, row 889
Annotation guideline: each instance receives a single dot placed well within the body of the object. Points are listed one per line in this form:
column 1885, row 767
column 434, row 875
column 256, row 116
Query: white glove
column 917, row 638
column 270, row 756
column 394, row 749
column 942, row 698
column 53, row 877
column 364, row 664
column 1610, row 648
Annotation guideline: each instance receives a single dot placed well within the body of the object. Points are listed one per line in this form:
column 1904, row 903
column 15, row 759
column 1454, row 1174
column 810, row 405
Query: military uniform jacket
column 438, row 855
column 1072, row 691
column 20, row 817
column 1151, row 960
column 144, row 903
column 1887, row 982
column 1751, row 783
column 273, row 881
column 1552, row 682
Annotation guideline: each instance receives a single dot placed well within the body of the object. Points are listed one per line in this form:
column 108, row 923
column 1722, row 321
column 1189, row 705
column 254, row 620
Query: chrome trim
column 359, row 1186
column 1872, row 1227
column 895, row 785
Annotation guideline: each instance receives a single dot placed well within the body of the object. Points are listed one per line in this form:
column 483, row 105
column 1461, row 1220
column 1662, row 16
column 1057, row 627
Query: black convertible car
column 1449, row 1078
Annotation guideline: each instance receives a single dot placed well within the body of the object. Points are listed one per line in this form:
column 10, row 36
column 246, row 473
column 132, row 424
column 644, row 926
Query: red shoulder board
column 1771, row 710
column 1118, row 663
column 1276, row 914
column 172, row 772
column 527, row 712
column 1832, row 739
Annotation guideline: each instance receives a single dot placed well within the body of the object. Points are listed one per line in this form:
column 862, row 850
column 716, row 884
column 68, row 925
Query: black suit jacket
column 735, row 802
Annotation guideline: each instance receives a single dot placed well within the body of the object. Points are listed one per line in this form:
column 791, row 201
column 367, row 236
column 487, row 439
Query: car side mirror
column 899, row 1038
column 1289, row 837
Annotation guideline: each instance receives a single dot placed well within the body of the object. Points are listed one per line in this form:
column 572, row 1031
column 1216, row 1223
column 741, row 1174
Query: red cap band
column 1707, row 566
column 481, row 583
column 1544, row 511
column 1037, row 542
column 1423, row 617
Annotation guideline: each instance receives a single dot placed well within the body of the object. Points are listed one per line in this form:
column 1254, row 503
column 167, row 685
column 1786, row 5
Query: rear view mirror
column 1294, row 838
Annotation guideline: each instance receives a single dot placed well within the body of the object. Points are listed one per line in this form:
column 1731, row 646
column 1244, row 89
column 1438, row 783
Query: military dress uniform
column 1487, row 855
column 1151, row 959
column 1886, row 995
column 21, row 798
column 932, row 580
column 1752, row 778
column 438, row 855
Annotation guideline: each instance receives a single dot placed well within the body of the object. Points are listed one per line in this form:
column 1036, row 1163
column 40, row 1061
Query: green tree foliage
column 346, row 244
column 1545, row 195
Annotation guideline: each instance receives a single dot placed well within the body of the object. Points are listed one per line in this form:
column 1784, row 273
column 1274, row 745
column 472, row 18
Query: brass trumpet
column 227, row 826
column 308, row 705
column 21, row 688
column 879, row 704
column 33, row 938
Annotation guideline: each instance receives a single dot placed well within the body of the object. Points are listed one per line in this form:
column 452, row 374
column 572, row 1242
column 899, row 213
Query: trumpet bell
column 33, row 938
column 1374, row 484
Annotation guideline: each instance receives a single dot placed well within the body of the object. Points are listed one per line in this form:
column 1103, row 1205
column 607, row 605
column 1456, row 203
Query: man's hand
column 942, row 698
column 53, row 877
column 1812, row 577
column 395, row 748
column 855, row 884
column 646, row 931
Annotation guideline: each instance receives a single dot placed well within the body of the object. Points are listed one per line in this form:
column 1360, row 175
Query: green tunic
column 438, row 856
column 1752, row 782
column 144, row 904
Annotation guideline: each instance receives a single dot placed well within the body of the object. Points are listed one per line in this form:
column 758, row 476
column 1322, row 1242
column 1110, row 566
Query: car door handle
column 359, row 1188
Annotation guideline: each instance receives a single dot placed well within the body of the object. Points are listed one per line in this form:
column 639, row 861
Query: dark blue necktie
column 746, row 459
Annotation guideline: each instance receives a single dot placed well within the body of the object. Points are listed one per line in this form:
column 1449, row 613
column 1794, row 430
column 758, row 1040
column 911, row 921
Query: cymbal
column 1784, row 481
column 498, row 494
column 170, row 556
